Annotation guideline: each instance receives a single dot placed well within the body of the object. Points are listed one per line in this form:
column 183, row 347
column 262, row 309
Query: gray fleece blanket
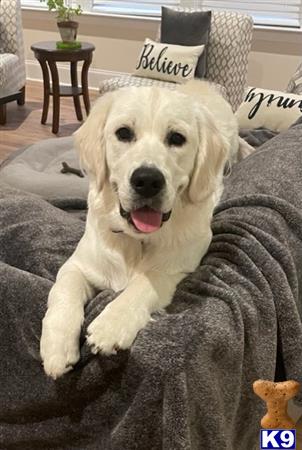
column 186, row 384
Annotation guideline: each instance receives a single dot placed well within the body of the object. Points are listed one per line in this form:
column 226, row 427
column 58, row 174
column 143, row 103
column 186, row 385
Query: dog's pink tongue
column 146, row 219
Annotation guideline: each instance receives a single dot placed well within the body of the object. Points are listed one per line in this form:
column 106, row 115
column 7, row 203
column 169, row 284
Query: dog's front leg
column 61, row 327
column 117, row 326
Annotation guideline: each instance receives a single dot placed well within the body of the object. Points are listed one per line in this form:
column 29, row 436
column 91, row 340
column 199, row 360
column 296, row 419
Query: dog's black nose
column 147, row 181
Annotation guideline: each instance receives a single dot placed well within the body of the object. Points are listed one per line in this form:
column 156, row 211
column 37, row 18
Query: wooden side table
column 48, row 55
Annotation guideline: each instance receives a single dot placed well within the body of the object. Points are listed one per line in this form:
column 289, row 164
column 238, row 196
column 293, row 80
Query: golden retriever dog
column 155, row 161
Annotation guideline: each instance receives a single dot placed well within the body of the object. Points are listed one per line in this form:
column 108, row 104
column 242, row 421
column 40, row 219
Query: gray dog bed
column 37, row 169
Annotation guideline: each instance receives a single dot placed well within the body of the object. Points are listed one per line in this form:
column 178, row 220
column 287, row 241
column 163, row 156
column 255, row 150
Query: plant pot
column 68, row 30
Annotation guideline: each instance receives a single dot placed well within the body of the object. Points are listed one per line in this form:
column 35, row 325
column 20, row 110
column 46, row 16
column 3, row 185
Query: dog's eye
column 175, row 139
column 125, row 134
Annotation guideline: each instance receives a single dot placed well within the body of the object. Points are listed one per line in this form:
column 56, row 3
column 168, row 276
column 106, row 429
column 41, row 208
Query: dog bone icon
column 276, row 396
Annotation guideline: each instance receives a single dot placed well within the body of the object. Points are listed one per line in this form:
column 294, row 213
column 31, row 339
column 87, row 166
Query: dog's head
column 153, row 147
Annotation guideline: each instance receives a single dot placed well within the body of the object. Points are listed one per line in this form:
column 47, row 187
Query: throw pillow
column 187, row 28
column 168, row 62
column 274, row 110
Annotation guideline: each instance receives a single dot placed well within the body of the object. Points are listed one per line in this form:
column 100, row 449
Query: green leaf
column 63, row 12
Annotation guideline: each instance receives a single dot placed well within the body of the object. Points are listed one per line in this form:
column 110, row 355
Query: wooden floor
column 24, row 126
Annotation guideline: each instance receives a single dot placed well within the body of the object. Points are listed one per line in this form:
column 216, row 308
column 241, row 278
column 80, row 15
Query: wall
column 274, row 57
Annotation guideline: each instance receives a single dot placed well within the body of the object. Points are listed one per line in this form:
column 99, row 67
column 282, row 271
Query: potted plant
column 67, row 26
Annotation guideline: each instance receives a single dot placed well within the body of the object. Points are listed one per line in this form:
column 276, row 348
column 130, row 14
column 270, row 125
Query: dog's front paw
column 59, row 346
column 115, row 328
column 58, row 364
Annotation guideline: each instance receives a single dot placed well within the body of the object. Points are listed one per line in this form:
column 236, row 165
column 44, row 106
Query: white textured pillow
column 274, row 110
column 168, row 62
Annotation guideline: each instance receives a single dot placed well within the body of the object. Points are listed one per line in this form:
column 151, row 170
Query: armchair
column 12, row 63
column 228, row 49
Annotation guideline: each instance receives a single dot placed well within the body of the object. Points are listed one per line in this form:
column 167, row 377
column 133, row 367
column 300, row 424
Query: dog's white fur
column 145, row 267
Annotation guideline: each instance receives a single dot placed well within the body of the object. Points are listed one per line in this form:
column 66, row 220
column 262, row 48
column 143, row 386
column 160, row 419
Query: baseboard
column 95, row 77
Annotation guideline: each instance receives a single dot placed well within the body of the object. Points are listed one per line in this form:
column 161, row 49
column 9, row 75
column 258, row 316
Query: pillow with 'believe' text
column 168, row 62
column 274, row 110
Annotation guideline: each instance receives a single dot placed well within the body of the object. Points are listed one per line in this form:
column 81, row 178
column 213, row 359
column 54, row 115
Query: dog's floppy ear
column 210, row 160
column 90, row 142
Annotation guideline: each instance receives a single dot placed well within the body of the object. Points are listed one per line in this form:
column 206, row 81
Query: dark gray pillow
column 187, row 28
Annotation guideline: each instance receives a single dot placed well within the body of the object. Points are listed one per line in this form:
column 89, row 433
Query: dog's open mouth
column 145, row 219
